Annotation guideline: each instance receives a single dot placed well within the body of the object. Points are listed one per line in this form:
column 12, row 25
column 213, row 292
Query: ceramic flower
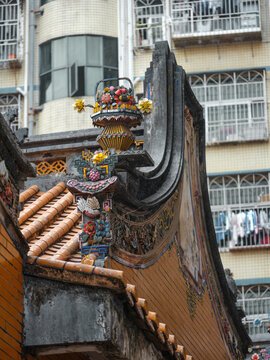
column 106, row 98
column 89, row 228
column 145, row 105
column 255, row 357
column 79, row 105
column 98, row 157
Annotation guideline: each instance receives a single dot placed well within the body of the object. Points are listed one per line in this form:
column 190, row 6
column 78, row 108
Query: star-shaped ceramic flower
column 79, row 105
column 145, row 106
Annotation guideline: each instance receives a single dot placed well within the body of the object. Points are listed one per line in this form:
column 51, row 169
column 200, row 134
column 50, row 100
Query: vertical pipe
column 120, row 40
column 167, row 18
column 26, row 60
column 31, row 67
column 130, row 41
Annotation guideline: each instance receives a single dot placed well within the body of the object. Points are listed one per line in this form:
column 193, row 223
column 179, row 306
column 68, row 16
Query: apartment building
column 54, row 51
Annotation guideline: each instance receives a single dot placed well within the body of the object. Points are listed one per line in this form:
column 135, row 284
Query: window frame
column 68, row 66
column 11, row 47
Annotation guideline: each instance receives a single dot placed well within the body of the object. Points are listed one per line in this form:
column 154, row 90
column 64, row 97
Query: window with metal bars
column 9, row 30
column 255, row 301
column 149, row 17
column 234, row 105
column 8, row 103
column 240, row 207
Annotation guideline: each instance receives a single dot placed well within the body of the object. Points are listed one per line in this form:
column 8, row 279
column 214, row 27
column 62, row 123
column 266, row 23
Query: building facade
column 47, row 55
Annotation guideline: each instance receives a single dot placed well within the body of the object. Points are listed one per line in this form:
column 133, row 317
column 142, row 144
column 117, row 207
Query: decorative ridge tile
column 70, row 266
column 149, row 318
column 40, row 202
column 27, row 194
column 47, row 216
column 53, row 235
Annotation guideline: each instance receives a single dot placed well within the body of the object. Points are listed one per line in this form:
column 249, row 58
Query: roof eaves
column 66, row 271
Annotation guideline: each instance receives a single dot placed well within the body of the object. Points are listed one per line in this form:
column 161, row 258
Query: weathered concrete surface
column 62, row 315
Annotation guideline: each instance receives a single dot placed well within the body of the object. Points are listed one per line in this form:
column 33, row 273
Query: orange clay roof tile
column 41, row 201
column 47, row 216
column 27, row 194
column 53, row 235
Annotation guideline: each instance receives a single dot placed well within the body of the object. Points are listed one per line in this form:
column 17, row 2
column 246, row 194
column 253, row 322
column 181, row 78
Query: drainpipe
column 26, row 58
column 125, row 38
column 130, row 40
column 120, row 40
column 31, row 67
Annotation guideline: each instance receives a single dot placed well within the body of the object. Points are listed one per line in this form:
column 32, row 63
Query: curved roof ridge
column 55, row 233
column 47, row 216
column 27, row 194
column 41, row 201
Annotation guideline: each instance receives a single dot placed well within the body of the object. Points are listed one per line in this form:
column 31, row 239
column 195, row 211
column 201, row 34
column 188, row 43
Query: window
column 149, row 22
column 234, row 105
column 9, row 30
column 43, row 2
column 72, row 66
column 11, row 103
column 255, row 301
column 201, row 17
column 240, row 207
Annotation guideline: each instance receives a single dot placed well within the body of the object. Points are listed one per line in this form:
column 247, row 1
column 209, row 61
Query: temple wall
column 165, row 290
column 11, row 298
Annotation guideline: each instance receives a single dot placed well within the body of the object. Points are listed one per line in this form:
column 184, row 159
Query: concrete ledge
column 61, row 317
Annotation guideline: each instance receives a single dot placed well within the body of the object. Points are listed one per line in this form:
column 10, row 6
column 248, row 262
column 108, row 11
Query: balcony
column 197, row 21
column 240, row 207
column 10, row 38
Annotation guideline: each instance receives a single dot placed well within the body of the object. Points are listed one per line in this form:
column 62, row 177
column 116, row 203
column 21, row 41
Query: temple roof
column 49, row 222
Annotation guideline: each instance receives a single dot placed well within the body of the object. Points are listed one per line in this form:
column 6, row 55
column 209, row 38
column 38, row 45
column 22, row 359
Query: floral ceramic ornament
column 99, row 156
column 79, row 105
column 145, row 106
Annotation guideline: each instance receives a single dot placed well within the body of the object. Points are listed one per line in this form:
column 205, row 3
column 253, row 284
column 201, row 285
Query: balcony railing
column 236, row 130
column 242, row 228
column 206, row 18
column 149, row 23
column 9, row 30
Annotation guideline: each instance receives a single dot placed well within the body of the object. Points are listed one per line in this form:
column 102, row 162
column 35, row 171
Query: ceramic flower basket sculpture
column 116, row 112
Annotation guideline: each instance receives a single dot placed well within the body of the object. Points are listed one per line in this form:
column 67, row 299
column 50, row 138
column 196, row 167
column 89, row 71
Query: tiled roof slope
column 50, row 223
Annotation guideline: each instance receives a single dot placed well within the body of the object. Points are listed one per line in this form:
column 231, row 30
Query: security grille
column 241, row 210
column 234, row 105
column 10, row 102
column 9, row 30
column 149, row 22
column 255, row 301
